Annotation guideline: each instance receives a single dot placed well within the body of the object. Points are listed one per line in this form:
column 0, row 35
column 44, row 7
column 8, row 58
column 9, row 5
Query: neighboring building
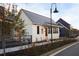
column 38, row 26
column 65, row 29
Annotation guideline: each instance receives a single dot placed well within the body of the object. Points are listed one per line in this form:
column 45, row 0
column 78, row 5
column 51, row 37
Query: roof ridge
column 37, row 18
column 36, row 13
column 64, row 20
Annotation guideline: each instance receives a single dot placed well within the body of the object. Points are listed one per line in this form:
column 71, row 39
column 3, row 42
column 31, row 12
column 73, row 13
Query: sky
column 67, row 11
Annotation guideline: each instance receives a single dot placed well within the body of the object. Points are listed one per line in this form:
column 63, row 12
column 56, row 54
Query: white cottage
column 38, row 26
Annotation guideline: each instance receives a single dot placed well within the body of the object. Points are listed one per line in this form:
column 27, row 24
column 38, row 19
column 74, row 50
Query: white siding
column 27, row 23
column 32, row 30
column 41, row 36
column 35, row 36
column 54, row 35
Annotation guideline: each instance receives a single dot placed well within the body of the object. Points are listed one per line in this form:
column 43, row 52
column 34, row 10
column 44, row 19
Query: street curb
column 57, row 50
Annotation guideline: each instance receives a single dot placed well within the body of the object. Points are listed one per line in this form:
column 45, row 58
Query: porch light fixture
column 55, row 11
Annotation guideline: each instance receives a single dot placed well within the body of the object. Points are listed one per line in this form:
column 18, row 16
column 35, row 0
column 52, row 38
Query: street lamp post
column 51, row 21
column 55, row 11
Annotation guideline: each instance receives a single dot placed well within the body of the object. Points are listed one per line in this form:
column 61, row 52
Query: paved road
column 71, row 51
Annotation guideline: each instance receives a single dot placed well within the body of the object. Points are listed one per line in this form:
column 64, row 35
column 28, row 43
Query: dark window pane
column 37, row 29
column 49, row 30
column 55, row 30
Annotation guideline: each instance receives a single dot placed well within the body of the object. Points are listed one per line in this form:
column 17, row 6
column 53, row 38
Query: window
column 55, row 30
column 46, row 34
column 37, row 29
column 49, row 30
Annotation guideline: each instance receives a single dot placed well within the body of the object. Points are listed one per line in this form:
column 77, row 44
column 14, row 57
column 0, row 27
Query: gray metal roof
column 37, row 19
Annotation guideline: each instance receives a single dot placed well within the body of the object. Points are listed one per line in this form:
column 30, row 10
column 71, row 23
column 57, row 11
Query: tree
column 19, row 26
column 5, row 23
column 17, row 23
column 5, row 27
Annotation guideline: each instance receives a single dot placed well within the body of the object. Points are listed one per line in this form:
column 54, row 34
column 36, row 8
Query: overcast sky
column 67, row 11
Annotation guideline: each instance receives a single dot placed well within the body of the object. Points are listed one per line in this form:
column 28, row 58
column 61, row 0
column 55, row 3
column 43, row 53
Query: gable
column 24, row 17
column 64, row 23
column 36, row 18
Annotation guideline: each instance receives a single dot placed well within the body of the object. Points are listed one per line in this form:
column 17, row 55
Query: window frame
column 49, row 30
column 55, row 30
